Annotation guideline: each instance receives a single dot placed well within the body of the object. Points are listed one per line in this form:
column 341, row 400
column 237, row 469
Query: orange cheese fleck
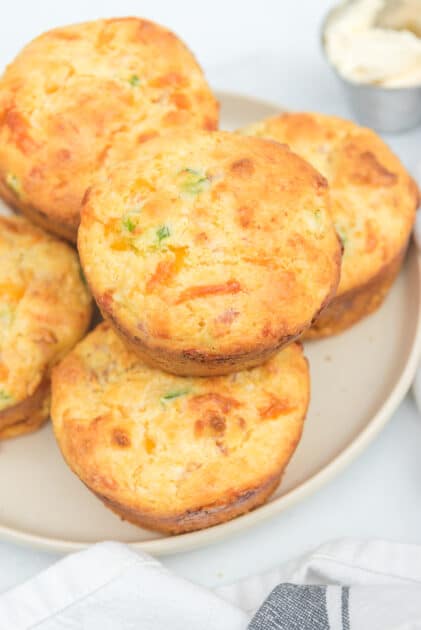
column 232, row 286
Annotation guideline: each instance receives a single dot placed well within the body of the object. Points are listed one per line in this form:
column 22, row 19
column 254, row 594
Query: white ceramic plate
column 358, row 380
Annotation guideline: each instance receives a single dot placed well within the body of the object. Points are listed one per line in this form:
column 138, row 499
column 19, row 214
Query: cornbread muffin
column 209, row 251
column 373, row 207
column 45, row 309
column 78, row 93
column 175, row 453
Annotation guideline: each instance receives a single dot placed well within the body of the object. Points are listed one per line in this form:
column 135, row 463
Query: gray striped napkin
column 344, row 585
column 296, row 607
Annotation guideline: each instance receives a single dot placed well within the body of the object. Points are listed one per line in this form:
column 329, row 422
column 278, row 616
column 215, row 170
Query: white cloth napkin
column 363, row 585
column 111, row 587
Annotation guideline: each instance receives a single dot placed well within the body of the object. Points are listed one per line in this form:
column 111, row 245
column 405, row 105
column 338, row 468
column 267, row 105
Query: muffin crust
column 208, row 252
column 373, row 207
column 45, row 308
column 77, row 94
column 176, row 453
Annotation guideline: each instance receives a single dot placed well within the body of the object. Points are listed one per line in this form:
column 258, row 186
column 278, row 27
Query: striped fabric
column 297, row 607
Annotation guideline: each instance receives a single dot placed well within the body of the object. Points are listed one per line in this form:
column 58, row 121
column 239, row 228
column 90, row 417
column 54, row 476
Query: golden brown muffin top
column 373, row 197
column 45, row 307
column 75, row 91
column 210, row 243
column 167, row 444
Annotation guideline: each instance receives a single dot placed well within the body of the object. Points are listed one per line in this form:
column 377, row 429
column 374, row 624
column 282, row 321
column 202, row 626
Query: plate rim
column 193, row 540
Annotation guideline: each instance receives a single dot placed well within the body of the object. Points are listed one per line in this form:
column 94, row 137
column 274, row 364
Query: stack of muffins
column 208, row 253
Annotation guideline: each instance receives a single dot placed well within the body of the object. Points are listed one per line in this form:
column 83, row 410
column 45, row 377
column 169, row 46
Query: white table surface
column 269, row 49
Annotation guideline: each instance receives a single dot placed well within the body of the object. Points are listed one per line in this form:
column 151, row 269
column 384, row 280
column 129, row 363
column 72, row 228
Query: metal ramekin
column 390, row 110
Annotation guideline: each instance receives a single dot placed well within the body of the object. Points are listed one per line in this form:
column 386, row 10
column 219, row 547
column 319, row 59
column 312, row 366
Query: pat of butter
column 367, row 41
column 401, row 15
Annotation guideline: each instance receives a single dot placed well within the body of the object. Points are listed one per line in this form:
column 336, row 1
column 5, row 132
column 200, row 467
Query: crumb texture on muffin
column 176, row 453
column 374, row 199
column 209, row 251
column 373, row 204
column 28, row 415
column 45, row 308
column 77, row 93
